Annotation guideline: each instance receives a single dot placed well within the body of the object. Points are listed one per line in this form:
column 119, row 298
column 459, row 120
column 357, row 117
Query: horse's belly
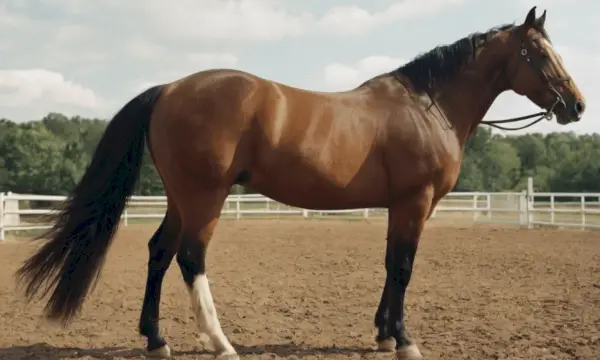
column 304, row 186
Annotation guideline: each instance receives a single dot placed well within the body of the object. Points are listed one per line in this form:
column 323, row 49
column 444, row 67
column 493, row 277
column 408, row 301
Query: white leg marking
column 206, row 315
column 410, row 352
column 160, row 353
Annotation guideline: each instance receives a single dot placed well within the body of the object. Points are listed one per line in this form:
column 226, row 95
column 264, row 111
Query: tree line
column 49, row 156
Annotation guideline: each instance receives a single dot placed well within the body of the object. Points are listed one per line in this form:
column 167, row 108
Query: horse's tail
column 71, row 261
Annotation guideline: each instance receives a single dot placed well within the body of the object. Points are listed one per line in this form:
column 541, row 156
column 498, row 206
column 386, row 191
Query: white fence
column 20, row 212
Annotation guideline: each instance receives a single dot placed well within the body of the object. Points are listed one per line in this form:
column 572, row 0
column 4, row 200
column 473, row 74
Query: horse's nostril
column 579, row 107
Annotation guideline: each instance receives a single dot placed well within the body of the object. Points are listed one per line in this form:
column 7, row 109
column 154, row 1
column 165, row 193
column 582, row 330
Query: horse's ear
column 530, row 19
column 539, row 22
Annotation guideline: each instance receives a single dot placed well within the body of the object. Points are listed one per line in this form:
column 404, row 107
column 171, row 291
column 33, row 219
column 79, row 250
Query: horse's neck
column 469, row 97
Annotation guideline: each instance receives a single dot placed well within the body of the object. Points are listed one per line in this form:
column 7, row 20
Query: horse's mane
column 442, row 63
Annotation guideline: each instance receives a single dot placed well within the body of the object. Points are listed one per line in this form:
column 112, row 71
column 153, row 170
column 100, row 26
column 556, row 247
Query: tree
column 33, row 157
column 471, row 176
column 500, row 166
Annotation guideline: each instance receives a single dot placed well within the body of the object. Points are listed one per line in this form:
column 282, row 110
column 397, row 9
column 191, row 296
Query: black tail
column 71, row 261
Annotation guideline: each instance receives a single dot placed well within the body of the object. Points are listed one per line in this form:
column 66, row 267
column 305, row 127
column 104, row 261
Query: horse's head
column 536, row 71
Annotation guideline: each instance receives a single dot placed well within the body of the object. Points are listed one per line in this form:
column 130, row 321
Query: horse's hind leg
column 162, row 248
column 199, row 221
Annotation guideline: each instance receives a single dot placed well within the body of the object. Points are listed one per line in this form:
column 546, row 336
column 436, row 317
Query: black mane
column 439, row 65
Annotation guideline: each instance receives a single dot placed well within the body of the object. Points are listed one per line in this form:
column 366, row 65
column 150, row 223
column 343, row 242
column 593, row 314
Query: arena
column 308, row 289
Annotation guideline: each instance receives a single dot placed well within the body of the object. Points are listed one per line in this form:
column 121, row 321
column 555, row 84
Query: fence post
column 305, row 213
column 125, row 218
column 552, row 209
column 530, row 202
column 489, row 205
column 238, row 213
column 475, row 212
column 2, row 238
column 523, row 208
column 582, row 212
column 366, row 213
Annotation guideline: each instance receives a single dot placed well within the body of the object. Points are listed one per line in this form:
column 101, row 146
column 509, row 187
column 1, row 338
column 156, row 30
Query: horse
column 395, row 141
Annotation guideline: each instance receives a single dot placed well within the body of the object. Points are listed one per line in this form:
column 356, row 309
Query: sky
column 89, row 58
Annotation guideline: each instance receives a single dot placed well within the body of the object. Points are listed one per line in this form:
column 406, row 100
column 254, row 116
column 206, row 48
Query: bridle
column 536, row 64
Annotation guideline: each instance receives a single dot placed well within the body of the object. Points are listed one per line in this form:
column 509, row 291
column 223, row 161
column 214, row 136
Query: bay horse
column 396, row 142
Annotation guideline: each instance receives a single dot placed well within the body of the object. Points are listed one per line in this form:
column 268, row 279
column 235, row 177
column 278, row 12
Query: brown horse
column 396, row 142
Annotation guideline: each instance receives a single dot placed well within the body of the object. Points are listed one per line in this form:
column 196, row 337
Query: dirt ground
column 308, row 289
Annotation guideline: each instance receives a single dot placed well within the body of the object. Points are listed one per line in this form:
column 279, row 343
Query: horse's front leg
column 406, row 221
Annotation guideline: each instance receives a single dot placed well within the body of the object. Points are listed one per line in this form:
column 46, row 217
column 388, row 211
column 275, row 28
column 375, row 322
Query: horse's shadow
column 49, row 352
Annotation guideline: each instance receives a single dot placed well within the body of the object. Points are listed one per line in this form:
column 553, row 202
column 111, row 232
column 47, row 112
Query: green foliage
column 51, row 155
column 559, row 162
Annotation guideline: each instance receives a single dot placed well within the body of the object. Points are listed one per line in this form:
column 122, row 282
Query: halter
column 537, row 66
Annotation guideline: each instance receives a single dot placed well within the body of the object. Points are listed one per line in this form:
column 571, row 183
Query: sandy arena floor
column 309, row 289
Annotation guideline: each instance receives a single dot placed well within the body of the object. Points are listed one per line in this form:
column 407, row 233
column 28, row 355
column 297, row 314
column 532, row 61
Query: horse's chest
column 447, row 171
column 444, row 163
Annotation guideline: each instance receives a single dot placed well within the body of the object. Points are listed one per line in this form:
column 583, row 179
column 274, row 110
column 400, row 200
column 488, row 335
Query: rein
column 542, row 115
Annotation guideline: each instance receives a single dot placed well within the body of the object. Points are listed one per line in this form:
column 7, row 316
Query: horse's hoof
column 386, row 345
column 410, row 352
column 160, row 353
column 228, row 356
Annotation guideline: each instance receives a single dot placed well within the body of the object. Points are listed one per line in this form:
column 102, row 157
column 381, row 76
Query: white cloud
column 352, row 19
column 29, row 87
column 151, row 41
column 215, row 19
column 270, row 20
column 339, row 76
column 256, row 20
